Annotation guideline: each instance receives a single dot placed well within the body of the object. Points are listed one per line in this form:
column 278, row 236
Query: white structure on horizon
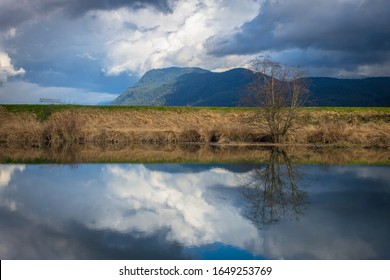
column 50, row 100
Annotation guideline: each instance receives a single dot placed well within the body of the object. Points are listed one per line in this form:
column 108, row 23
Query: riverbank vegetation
column 45, row 125
column 189, row 153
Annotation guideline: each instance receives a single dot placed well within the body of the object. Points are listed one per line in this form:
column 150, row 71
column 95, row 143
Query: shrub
column 328, row 132
column 190, row 135
column 62, row 127
column 214, row 136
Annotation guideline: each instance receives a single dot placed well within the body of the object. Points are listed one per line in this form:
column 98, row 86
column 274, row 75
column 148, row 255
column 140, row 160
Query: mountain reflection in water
column 275, row 209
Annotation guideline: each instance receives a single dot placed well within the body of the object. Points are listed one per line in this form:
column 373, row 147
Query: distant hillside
column 198, row 87
column 369, row 92
column 154, row 85
column 210, row 89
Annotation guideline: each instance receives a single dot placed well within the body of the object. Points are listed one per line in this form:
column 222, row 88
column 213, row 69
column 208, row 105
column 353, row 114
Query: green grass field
column 40, row 108
column 44, row 111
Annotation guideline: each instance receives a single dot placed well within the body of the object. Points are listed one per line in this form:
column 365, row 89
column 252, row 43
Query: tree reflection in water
column 272, row 191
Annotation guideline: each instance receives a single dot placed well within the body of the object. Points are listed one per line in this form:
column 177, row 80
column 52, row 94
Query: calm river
column 271, row 210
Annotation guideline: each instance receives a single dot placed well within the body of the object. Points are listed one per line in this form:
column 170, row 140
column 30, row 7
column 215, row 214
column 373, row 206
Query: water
column 272, row 210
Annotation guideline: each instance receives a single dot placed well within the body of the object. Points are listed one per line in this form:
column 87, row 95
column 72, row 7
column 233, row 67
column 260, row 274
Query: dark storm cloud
column 76, row 7
column 318, row 24
column 358, row 27
column 27, row 238
column 12, row 13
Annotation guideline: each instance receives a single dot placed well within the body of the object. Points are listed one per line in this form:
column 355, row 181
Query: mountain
column 368, row 92
column 198, row 87
column 154, row 85
column 210, row 89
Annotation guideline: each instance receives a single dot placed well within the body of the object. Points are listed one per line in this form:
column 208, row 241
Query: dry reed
column 209, row 126
column 329, row 132
column 63, row 127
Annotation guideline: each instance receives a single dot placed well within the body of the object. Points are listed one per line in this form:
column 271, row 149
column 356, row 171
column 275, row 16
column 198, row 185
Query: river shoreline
column 191, row 153
column 50, row 125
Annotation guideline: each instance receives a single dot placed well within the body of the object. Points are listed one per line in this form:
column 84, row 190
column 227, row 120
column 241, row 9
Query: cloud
column 336, row 63
column 20, row 92
column 51, row 34
column 7, row 69
column 14, row 13
column 188, row 204
column 58, row 52
column 328, row 25
column 130, row 207
column 379, row 174
column 36, row 239
column 77, row 7
column 358, row 32
column 89, row 44
column 90, row 50
column 131, row 200
column 141, row 39
column 6, row 172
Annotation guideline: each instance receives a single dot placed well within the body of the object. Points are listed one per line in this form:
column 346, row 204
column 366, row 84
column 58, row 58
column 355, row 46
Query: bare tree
column 278, row 90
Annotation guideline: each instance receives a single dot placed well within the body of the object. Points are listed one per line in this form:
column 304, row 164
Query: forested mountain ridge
column 153, row 85
column 198, row 87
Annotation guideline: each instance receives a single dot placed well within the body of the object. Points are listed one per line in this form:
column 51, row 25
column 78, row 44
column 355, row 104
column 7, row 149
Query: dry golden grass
column 329, row 132
column 63, row 127
column 21, row 127
column 97, row 125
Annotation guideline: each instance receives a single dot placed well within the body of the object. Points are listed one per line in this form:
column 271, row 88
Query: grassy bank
column 37, row 125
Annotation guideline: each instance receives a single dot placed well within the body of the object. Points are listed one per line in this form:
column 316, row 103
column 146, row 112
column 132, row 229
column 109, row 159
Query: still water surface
column 194, row 211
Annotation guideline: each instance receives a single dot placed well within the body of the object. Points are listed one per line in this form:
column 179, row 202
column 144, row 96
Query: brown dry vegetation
column 185, row 152
column 97, row 125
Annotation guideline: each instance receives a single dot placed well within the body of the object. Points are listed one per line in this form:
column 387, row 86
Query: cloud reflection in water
column 135, row 211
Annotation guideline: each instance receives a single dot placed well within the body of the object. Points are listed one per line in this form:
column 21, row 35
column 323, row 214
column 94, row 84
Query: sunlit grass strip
column 348, row 109
column 39, row 107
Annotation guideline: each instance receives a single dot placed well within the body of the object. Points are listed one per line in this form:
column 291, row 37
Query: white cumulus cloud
column 7, row 69
column 6, row 172
column 182, row 202
column 144, row 39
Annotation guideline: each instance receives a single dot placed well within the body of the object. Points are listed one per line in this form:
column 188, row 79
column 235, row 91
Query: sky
column 89, row 51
